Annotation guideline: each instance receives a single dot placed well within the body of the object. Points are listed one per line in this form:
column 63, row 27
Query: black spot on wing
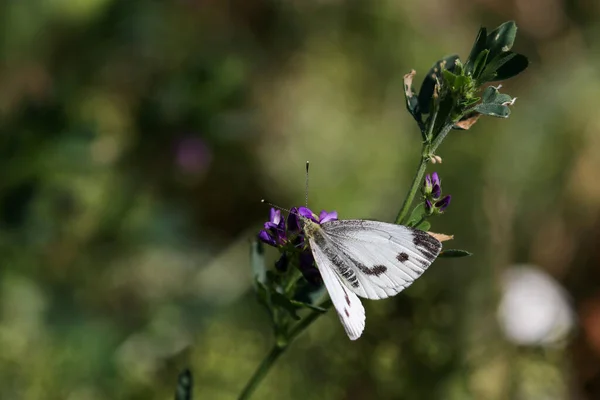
column 428, row 246
column 347, row 312
column 402, row 257
column 376, row 270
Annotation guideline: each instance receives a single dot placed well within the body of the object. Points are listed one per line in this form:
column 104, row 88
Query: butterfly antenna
column 306, row 188
column 274, row 206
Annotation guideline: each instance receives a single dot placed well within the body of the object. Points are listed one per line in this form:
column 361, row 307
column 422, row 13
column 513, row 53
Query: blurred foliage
column 138, row 137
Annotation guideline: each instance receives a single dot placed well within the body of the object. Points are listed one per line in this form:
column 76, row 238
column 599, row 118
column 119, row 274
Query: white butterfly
column 369, row 259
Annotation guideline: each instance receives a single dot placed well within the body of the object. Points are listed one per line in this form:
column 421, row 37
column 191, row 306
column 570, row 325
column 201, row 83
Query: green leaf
column 480, row 63
column 450, row 78
column 501, row 39
column 428, row 85
column 454, row 253
column 307, row 305
column 493, row 110
column 416, row 215
column 284, row 303
column 510, row 68
column 491, row 95
column 462, row 82
column 424, row 226
column 476, row 50
column 257, row 261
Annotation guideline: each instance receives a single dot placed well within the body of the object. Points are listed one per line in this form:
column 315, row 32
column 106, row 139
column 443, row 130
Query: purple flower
column 428, row 207
column 443, row 203
column 274, row 232
column 432, row 187
column 291, row 241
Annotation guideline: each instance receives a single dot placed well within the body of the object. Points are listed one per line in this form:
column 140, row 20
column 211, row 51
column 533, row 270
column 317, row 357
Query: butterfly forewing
column 376, row 259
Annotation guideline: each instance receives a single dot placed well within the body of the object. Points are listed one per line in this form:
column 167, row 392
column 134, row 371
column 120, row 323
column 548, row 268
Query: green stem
column 441, row 136
column 306, row 322
column 277, row 351
column 414, row 188
column 262, row 371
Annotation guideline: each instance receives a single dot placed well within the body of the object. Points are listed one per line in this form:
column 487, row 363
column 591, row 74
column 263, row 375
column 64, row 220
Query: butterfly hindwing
column 376, row 259
column 347, row 304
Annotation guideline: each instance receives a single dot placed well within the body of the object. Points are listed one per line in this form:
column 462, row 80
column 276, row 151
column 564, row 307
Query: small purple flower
column 432, row 187
column 291, row 241
column 274, row 232
column 436, row 192
column 428, row 207
column 443, row 203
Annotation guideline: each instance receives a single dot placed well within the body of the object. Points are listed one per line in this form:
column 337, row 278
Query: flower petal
column 436, row 192
column 293, row 221
column 435, row 179
column 266, row 237
column 428, row 180
column 307, row 213
column 428, row 206
column 327, row 216
column 443, row 203
column 275, row 216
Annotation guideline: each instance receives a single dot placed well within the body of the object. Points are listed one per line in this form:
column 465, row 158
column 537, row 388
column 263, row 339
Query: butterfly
column 369, row 259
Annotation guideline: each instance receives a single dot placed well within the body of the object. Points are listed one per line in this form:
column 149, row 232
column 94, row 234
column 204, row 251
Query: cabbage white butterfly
column 369, row 259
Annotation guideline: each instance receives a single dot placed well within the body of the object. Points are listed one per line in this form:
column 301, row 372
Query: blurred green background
column 138, row 137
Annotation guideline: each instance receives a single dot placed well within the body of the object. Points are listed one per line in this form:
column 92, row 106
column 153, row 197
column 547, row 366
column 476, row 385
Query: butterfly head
column 310, row 227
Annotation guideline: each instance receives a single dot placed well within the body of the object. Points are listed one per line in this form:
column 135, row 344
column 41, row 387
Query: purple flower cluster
column 288, row 236
column 432, row 192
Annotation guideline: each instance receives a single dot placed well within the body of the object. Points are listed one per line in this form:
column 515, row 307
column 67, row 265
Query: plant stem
column 414, row 188
column 305, row 323
column 262, row 371
column 441, row 136
column 277, row 351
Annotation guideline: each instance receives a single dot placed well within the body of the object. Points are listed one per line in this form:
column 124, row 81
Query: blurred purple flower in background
column 192, row 155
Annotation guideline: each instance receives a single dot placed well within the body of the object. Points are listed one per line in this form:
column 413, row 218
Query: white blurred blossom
column 534, row 309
